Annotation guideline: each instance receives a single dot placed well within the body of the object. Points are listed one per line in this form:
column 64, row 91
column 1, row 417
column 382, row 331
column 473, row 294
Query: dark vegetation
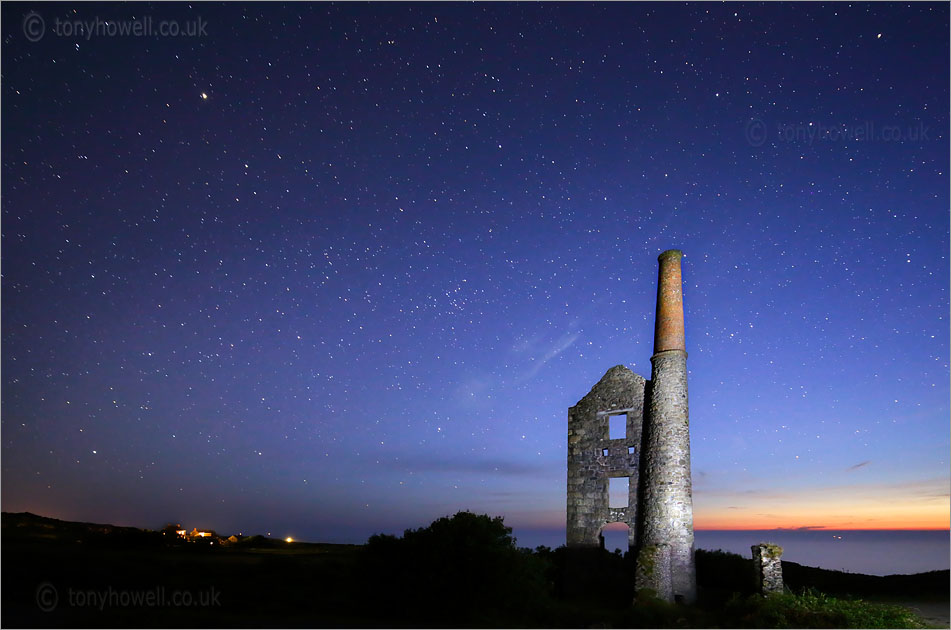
column 461, row 571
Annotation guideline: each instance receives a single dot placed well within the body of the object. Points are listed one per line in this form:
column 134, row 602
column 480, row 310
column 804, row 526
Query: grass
column 812, row 609
column 814, row 598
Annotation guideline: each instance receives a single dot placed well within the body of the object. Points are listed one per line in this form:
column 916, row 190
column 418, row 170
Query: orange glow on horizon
column 815, row 519
column 824, row 510
column 919, row 504
column 856, row 519
column 824, row 528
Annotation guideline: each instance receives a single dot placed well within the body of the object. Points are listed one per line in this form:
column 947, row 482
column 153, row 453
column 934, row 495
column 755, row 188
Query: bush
column 464, row 566
column 723, row 571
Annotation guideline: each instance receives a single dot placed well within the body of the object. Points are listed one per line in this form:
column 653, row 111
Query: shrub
column 724, row 571
column 812, row 609
column 465, row 565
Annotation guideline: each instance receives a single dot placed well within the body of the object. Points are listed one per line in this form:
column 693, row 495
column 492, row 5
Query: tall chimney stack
column 669, row 320
column 665, row 561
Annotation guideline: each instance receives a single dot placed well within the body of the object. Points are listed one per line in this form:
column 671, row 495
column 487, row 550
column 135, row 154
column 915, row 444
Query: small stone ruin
column 768, row 568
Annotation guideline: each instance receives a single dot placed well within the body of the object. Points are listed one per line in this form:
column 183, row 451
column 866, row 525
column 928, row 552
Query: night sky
column 325, row 270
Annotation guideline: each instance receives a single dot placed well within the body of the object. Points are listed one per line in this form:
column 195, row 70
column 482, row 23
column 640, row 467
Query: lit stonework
column 654, row 454
column 768, row 568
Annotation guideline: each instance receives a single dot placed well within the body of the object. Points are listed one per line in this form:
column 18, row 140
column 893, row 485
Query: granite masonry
column 768, row 568
column 653, row 454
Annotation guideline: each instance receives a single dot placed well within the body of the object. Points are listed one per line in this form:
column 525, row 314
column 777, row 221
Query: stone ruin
column 653, row 454
column 768, row 568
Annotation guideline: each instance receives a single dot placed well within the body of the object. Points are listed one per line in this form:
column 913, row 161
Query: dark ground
column 61, row 574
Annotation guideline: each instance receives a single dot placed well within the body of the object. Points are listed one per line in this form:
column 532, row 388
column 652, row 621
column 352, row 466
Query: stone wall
column 667, row 496
column 593, row 457
column 652, row 574
column 768, row 568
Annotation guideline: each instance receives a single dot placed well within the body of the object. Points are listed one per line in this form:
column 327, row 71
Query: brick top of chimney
column 669, row 321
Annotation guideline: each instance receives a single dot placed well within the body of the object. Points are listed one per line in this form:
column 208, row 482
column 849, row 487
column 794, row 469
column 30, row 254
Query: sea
column 872, row 552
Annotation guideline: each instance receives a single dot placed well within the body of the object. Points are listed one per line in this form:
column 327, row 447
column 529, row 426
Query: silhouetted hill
column 462, row 571
column 720, row 570
column 28, row 526
column 932, row 584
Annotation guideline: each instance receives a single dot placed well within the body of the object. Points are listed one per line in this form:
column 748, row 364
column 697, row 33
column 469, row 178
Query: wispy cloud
column 860, row 465
column 548, row 349
column 930, row 487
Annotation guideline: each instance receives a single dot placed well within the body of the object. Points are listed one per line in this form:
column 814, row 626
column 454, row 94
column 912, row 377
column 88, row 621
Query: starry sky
column 326, row 270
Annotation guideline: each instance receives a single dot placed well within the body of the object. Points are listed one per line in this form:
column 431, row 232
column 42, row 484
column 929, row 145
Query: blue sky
column 336, row 269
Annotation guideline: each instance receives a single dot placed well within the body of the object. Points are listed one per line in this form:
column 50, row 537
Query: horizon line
column 771, row 529
column 822, row 529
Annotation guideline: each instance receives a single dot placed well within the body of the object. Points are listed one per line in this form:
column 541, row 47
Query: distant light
column 204, row 96
column 289, row 539
column 879, row 36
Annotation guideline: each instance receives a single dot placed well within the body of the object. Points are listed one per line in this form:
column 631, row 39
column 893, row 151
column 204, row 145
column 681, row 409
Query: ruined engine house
column 651, row 450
